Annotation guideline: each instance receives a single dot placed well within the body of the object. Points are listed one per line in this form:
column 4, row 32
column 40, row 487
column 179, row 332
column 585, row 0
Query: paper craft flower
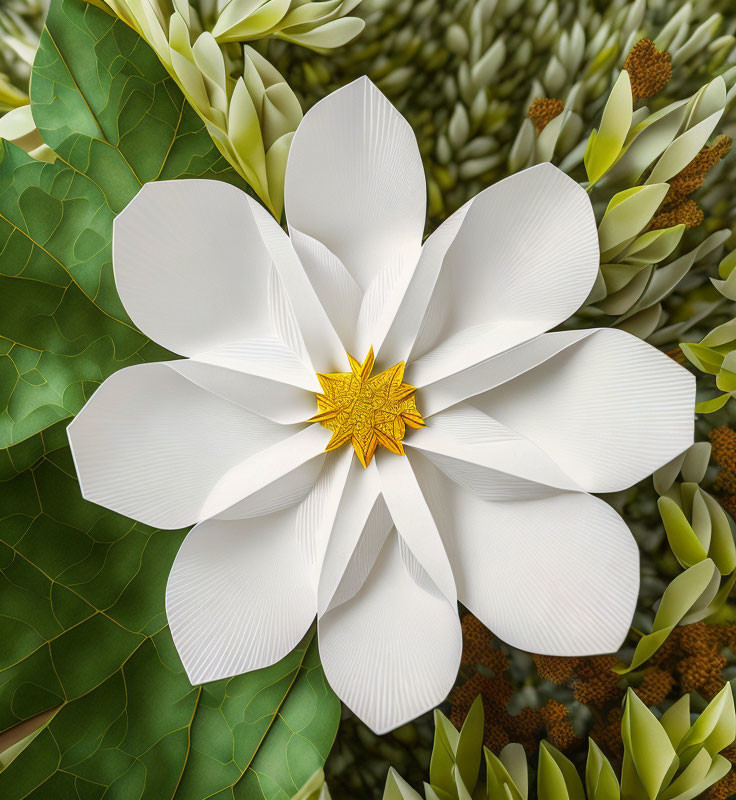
column 329, row 486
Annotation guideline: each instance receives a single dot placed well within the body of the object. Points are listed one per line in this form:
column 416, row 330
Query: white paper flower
column 489, row 505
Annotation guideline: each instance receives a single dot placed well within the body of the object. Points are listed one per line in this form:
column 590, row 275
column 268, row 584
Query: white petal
column 557, row 575
column 492, row 372
column 396, row 329
column 361, row 518
column 274, row 477
column 152, row 445
column 355, row 181
column 281, row 402
column 316, row 516
column 524, row 259
column 190, row 265
column 413, row 520
column 199, row 265
column 391, row 652
column 482, row 454
column 335, row 286
column 238, row 596
column 609, row 410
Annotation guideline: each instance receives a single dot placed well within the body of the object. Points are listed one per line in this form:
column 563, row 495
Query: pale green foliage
column 715, row 353
column 636, row 164
column 251, row 117
column 668, row 758
column 700, row 537
column 314, row 789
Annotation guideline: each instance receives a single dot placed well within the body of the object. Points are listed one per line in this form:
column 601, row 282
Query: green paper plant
column 83, row 624
column 252, row 115
column 715, row 353
column 701, row 538
column 671, row 757
column 636, row 154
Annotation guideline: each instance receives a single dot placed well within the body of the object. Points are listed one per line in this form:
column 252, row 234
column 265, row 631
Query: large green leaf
column 83, row 624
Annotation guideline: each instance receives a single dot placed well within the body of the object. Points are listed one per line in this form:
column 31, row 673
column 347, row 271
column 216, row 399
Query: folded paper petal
column 152, row 445
column 355, row 181
column 199, row 265
column 277, row 400
column 555, row 574
column 609, row 410
column 271, row 478
column 191, row 267
column 413, row 520
column 493, row 371
column 392, row 651
column 361, row 518
column 524, row 259
column 238, row 596
column 486, row 456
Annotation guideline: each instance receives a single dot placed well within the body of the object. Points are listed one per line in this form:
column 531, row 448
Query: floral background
column 114, row 93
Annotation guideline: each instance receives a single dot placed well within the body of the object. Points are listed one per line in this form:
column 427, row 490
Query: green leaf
column 444, row 753
column 689, row 593
column 397, row 788
column 507, row 774
column 650, row 760
column 606, row 143
column 601, row 782
column 627, row 215
column 82, row 591
column 470, row 745
column 557, row 778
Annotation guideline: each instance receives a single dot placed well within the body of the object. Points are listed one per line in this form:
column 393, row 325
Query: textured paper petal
column 414, row 522
column 524, row 259
column 598, row 409
column 394, row 330
column 190, row 265
column 335, row 286
column 360, row 527
column 494, row 371
column 280, row 401
column 392, row 651
column 199, row 265
column 486, row 456
column 355, row 181
column 277, row 476
column 238, row 596
column 557, row 574
column 151, row 444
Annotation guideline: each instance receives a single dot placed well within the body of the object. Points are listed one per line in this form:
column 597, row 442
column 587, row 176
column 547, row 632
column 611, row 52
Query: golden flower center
column 367, row 410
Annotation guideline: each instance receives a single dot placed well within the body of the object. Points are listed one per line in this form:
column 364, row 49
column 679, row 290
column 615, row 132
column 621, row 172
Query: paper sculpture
column 489, row 502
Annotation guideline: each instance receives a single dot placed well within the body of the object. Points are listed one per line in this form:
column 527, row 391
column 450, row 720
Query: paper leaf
column 679, row 598
column 649, row 758
column 600, row 779
column 606, row 143
column 557, row 778
column 470, row 745
column 397, row 788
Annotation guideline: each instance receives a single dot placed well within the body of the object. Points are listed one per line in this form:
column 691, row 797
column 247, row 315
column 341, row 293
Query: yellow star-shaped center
column 367, row 410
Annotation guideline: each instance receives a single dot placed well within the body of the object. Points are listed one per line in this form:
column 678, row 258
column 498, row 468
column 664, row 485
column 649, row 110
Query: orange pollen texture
column 366, row 410
column 650, row 70
column 543, row 110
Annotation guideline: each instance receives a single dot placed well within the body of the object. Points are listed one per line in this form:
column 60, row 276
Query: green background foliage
column 82, row 589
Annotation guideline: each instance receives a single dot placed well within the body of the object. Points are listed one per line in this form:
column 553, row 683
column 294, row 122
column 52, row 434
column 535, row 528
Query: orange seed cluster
column 650, row 70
